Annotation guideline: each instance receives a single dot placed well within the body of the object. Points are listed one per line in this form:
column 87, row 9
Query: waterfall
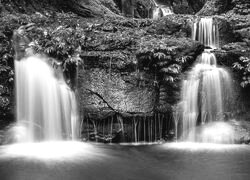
column 207, row 87
column 46, row 106
column 156, row 13
column 161, row 10
column 166, row 11
column 206, row 31
column 202, row 93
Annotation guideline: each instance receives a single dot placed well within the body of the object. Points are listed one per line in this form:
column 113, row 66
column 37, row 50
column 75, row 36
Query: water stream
column 206, row 31
column 46, row 106
column 161, row 10
column 207, row 88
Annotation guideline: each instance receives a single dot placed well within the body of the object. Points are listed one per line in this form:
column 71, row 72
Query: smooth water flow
column 206, row 31
column 166, row 11
column 206, row 91
column 46, row 106
column 204, row 94
column 161, row 10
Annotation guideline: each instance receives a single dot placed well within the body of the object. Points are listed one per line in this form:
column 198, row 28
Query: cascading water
column 161, row 10
column 46, row 107
column 203, row 94
column 166, row 11
column 207, row 87
column 206, row 31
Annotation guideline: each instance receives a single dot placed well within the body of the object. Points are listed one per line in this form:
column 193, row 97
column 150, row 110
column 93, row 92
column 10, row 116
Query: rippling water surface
column 84, row 161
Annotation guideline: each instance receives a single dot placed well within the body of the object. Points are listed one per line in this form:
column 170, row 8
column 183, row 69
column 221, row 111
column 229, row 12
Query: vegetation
column 95, row 34
column 243, row 66
column 165, row 56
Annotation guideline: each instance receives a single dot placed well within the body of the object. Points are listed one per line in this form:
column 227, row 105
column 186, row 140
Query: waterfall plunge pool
column 76, row 160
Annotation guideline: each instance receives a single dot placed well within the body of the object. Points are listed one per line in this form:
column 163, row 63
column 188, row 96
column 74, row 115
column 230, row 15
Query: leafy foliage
column 58, row 36
column 112, row 43
column 61, row 43
column 165, row 55
column 243, row 66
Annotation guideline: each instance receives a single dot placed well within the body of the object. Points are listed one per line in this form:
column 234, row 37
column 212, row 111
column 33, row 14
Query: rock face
column 85, row 8
column 131, row 71
column 105, row 91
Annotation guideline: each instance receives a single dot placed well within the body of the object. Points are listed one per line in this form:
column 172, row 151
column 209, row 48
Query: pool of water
column 85, row 161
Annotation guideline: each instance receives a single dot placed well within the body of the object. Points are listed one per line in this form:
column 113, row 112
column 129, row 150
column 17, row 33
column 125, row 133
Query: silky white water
column 206, row 31
column 166, row 11
column 160, row 10
column 206, row 91
column 46, row 108
column 204, row 94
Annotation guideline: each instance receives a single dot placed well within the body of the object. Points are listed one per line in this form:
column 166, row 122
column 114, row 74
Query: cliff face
column 128, row 70
column 84, row 8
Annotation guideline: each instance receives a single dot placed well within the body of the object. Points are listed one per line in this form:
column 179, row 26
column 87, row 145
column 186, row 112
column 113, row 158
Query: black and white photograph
column 124, row 89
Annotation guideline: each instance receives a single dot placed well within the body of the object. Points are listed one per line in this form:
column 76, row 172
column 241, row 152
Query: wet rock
column 85, row 8
column 241, row 131
column 102, row 92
